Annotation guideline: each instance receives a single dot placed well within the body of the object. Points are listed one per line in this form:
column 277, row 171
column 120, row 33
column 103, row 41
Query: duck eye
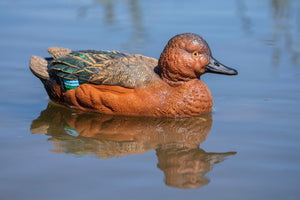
column 195, row 53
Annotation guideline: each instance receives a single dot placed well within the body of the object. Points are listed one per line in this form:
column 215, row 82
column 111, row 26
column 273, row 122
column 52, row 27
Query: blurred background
column 247, row 148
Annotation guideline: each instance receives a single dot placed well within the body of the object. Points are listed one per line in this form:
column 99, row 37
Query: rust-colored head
column 186, row 57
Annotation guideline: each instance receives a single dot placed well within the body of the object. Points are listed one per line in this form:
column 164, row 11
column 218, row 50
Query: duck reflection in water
column 176, row 141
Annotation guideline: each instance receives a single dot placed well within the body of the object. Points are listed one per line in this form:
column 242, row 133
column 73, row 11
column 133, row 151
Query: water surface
column 247, row 148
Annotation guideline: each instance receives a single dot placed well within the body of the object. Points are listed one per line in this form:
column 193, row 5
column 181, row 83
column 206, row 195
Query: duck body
column 117, row 83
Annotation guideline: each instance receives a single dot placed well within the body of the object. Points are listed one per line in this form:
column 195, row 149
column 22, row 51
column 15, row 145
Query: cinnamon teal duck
column 118, row 83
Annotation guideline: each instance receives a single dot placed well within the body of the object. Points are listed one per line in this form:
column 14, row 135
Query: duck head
column 186, row 57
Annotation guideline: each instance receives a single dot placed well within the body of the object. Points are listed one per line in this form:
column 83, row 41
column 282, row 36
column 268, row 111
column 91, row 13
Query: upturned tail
column 38, row 66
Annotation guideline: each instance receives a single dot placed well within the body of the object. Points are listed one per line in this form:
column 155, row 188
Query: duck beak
column 215, row 66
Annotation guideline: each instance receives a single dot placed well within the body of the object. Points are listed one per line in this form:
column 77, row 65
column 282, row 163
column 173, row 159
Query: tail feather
column 38, row 66
column 58, row 52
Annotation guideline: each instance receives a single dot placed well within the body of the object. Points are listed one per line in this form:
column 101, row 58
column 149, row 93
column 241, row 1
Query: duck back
column 104, row 68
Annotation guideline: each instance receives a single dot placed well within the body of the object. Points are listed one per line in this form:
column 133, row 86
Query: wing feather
column 105, row 67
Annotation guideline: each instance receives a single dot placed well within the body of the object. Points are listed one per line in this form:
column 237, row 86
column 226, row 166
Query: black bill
column 215, row 66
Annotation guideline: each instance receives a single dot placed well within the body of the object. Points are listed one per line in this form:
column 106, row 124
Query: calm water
column 248, row 148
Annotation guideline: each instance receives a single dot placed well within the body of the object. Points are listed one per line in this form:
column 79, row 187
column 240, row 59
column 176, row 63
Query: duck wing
column 104, row 68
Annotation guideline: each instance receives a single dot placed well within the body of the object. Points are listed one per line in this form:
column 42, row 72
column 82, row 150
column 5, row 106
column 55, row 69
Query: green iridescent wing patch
column 104, row 67
column 82, row 65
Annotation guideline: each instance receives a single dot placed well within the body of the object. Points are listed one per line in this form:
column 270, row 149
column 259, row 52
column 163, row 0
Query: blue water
column 247, row 148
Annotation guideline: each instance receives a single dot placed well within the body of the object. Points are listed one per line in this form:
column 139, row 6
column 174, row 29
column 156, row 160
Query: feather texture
column 105, row 68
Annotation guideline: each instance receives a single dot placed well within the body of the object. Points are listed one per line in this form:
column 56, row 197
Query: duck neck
column 191, row 98
column 195, row 97
column 170, row 68
column 173, row 78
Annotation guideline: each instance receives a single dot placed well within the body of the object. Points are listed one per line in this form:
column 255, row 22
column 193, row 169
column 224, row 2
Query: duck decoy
column 118, row 83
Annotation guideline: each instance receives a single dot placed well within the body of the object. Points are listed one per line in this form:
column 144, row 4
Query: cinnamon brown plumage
column 124, row 84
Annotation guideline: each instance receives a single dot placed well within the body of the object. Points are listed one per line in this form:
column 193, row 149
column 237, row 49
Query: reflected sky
column 284, row 29
column 255, row 113
column 107, row 11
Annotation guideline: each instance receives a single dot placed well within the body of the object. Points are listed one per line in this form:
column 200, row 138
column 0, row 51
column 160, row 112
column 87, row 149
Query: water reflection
column 285, row 31
column 244, row 18
column 111, row 18
column 186, row 167
column 176, row 141
column 282, row 36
